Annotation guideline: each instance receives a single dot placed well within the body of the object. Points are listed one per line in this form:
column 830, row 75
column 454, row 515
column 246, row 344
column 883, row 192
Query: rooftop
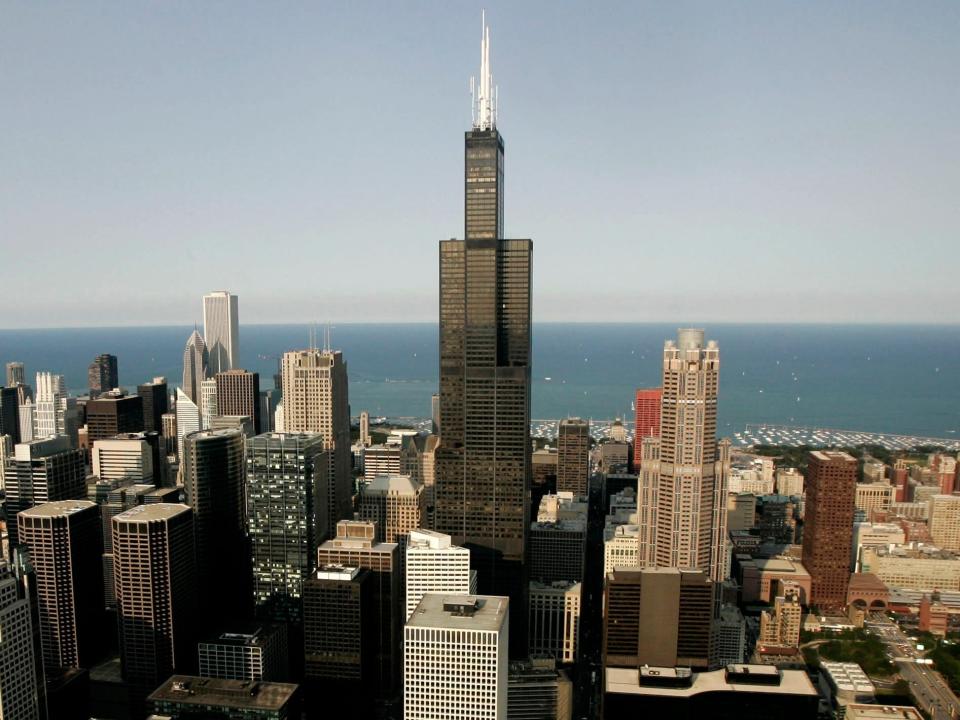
column 848, row 676
column 153, row 511
column 475, row 612
column 792, row 682
column 393, row 485
column 191, row 690
column 57, row 508
column 857, row 711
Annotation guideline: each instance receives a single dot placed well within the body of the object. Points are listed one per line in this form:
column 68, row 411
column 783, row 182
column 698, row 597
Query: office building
column 19, row 687
column 168, row 422
column 213, row 478
column 621, row 544
column 544, row 468
column 208, row 402
column 6, row 453
column 789, row 482
column 187, row 419
column 573, row 456
column 156, row 401
column 243, row 423
column 856, row 711
column 15, row 374
column 557, row 550
column 112, row 413
column 647, row 419
column 340, row 631
column 184, row 697
column 729, row 644
column 737, row 692
column 662, row 617
column 238, row 393
column 254, row 653
column 64, row 540
column 682, row 490
column 154, row 579
column 355, row 545
column 196, row 367
column 537, row 690
column 102, row 374
column 28, row 420
column 286, row 514
column 455, row 658
column 554, row 620
column 221, row 331
column 315, row 400
column 42, row 471
column 614, row 456
column 845, row 682
column 127, row 457
column 364, row 436
column 55, row 413
column 483, row 461
column 874, row 535
column 780, row 626
column 396, row 503
column 741, row 511
column 435, row 565
column 268, row 408
column 10, row 413
column 873, row 497
column 382, row 459
column 915, row 566
column 759, row 577
column 828, row 525
column 945, row 521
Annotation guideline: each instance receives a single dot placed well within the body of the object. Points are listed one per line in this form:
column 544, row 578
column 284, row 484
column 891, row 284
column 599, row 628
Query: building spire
column 482, row 90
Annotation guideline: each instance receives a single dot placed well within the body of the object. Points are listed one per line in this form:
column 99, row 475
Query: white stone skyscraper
column 435, row 565
column 196, row 366
column 208, row 402
column 682, row 489
column 55, row 413
column 188, row 419
column 221, row 330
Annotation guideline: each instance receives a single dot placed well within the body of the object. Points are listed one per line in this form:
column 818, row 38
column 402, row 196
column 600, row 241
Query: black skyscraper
column 155, row 402
column 483, row 461
column 10, row 413
column 102, row 374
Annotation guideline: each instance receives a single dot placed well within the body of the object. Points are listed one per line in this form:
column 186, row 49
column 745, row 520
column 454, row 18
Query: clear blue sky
column 673, row 161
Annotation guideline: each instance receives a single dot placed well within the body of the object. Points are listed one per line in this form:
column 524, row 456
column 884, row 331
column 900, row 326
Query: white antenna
column 483, row 93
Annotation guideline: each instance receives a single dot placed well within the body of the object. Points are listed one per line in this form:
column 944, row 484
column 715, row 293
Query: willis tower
column 483, row 460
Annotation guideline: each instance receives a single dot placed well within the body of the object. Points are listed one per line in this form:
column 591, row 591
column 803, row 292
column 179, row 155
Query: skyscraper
column 42, row 471
column 208, row 402
column 15, row 374
column 65, row 543
column 828, row 525
column 682, row 490
column 238, row 393
column 188, row 419
column 19, row 688
column 113, row 413
column 213, row 478
column 55, row 412
column 396, row 504
column 102, row 374
column 434, row 565
column 315, row 400
column 196, row 366
column 221, row 330
column 364, row 428
column 286, row 515
column 154, row 579
column 10, row 413
column 155, row 402
column 483, row 461
column 573, row 456
column 647, row 408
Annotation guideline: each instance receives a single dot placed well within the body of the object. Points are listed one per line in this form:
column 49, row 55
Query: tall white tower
column 435, row 565
column 221, row 331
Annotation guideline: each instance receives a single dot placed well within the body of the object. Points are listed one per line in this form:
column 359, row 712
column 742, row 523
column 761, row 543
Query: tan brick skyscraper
column 828, row 526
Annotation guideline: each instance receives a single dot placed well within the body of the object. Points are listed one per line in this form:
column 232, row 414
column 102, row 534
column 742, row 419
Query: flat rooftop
column 626, row 681
column 58, row 508
column 858, row 711
column 153, row 511
column 191, row 690
column 489, row 612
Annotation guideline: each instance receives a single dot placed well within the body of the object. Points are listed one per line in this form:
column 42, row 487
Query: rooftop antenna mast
column 483, row 92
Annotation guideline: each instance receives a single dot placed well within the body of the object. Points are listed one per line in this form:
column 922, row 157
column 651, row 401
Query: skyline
column 830, row 149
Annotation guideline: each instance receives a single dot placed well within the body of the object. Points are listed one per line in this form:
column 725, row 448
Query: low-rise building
column 189, row 696
column 759, row 578
column 914, row 565
column 845, row 683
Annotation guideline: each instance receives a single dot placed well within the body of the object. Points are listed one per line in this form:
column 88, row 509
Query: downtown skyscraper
column 221, row 331
column 483, row 460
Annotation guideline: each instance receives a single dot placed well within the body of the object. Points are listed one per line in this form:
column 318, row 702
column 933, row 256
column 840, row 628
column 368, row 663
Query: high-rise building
column 238, row 393
column 155, row 403
column 573, row 456
column 154, row 579
column 42, row 471
column 268, row 408
column 186, row 697
column 647, row 408
column 537, row 690
column 221, row 331
column 10, row 413
column 780, row 627
column 64, row 539
column 113, row 413
column 661, row 617
column 187, row 419
column 339, row 631
column 213, row 478
column 455, row 658
column 102, row 374
column 945, row 521
column 286, row 516
column 435, row 414
column 6, row 453
column 435, row 565
column 557, row 549
column 168, row 423
column 365, row 428
column 256, row 653
column 315, row 400
column 729, row 644
column 55, row 413
column 682, row 490
column 15, row 374
column 828, row 526
column 28, row 420
column 789, row 482
column 483, row 461
column 208, row 402
column 196, row 366
column 129, row 457
column 396, row 504
column 356, row 546
column 19, row 688
column 554, row 623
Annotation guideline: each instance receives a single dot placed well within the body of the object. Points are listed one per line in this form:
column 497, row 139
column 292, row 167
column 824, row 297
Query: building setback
column 828, row 526
column 64, row 539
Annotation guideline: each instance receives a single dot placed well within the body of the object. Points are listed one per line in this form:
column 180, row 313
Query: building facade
column 19, row 688
column 221, row 331
column 196, row 367
column 554, row 620
column 238, row 393
column 573, row 456
column 102, row 374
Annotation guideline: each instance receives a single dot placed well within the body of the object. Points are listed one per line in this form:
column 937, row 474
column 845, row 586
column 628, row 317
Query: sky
column 673, row 162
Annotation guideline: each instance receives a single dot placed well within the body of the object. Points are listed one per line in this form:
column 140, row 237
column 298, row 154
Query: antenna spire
column 482, row 89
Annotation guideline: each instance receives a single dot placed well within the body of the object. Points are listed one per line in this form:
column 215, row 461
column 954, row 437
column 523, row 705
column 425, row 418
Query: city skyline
column 699, row 151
